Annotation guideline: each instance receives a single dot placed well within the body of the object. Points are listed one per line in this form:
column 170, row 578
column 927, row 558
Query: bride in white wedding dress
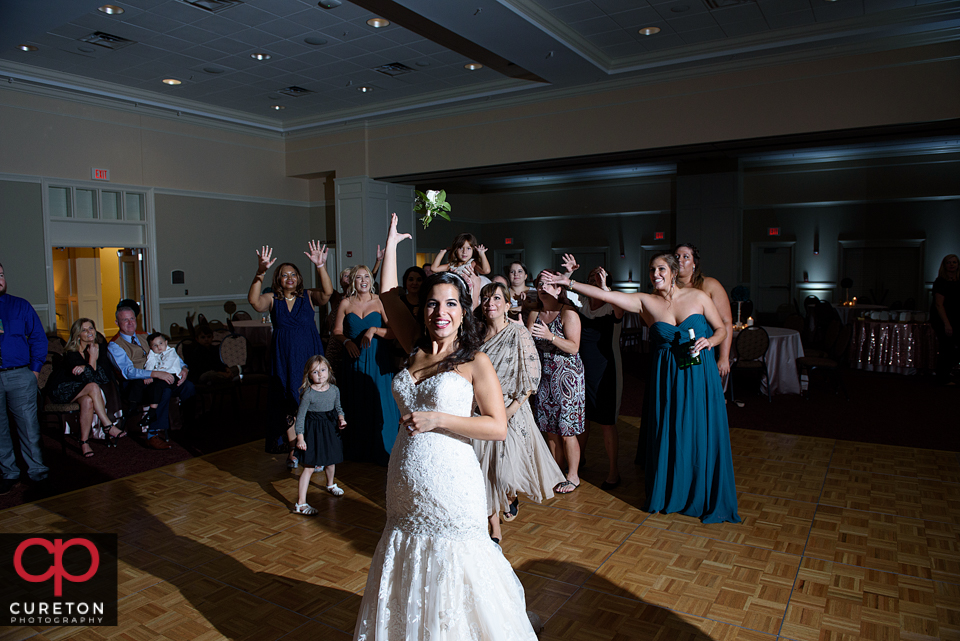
column 436, row 575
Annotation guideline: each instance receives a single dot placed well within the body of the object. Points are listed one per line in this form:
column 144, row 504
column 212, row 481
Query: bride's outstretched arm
column 403, row 324
column 491, row 425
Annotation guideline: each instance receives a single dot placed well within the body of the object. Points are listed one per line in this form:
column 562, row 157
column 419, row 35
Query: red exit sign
column 507, row 241
column 100, row 174
column 658, row 235
column 773, row 231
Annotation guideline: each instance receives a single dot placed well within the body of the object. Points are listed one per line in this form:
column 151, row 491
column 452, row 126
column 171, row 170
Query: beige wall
column 63, row 139
column 908, row 85
column 21, row 239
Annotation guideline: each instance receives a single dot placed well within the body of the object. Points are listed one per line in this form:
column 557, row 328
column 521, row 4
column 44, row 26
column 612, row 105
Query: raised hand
column 601, row 278
column 482, row 249
column 393, row 236
column 317, row 254
column 554, row 279
column 379, row 253
column 569, row 263
column 265, row 259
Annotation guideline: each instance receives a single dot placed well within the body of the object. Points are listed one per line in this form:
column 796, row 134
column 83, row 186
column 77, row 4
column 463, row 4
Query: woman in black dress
column 946, row 315
column 600, row 352
column 78, row 379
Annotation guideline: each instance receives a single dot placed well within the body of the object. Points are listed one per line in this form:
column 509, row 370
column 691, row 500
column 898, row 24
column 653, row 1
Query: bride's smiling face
column 442, row 312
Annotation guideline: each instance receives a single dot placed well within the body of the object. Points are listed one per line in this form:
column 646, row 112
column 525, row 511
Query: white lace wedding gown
column 436, row 575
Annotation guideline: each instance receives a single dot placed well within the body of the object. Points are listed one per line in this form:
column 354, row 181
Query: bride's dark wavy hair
column 471, row 332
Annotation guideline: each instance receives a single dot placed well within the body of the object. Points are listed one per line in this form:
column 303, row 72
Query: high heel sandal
column 110, row 439
column 86, row 454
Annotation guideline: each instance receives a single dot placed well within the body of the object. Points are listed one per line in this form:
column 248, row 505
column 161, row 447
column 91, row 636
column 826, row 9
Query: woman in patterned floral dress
column 561, row 395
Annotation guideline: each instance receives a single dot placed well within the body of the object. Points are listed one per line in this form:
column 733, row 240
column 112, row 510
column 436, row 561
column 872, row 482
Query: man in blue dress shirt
column 23, row 349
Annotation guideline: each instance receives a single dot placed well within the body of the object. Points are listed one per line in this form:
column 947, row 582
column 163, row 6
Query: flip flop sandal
column 561, row 487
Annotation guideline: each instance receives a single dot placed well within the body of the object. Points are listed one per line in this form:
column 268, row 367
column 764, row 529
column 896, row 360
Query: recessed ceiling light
column 315, row 41
column 260, row 56
column 329, row 4
column 473, row 66
column 649, row 31
column 376, row 23
column 110, row 10
column 213, row 70
column 277, row 107
column 86, row 49
column 423, row 63
column 364, row 89
column 171, row 81
column 26, row 48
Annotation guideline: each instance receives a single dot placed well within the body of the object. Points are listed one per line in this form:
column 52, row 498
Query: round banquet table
column 781, row 356
column 893, row 346
column 849, row 313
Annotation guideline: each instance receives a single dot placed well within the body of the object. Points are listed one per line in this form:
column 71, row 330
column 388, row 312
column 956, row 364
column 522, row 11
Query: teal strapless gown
column 366, row 393
column 689, row 463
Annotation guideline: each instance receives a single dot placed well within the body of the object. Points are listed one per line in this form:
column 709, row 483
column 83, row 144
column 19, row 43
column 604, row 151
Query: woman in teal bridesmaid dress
column 689, row 463
column 366, row 372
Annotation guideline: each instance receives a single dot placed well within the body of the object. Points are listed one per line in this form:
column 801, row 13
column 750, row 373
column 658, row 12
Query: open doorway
column 88, row 282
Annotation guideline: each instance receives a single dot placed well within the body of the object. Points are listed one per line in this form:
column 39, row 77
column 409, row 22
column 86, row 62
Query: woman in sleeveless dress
column 435, row 573
column 521, row 463
column 366, row 371
column 295, row 337
column 689, row 465
column 560, row 399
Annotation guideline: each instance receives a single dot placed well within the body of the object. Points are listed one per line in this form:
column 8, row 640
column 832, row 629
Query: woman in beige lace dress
column 521, row 463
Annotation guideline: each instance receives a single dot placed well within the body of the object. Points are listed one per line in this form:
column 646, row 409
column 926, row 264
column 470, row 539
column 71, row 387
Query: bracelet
column 552, row 337
column 570, row 286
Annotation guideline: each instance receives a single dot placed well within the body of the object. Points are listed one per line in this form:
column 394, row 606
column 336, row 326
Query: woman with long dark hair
column 435, row 573
column 689, row 466
column 561, row 396
column 295, row 338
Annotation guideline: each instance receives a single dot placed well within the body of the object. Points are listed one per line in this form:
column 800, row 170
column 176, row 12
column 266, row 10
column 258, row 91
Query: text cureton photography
column 58, row 579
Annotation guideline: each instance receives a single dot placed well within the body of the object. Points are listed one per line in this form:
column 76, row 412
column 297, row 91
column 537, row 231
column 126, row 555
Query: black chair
column 752, row 344
column 242, row 315
column 831, row 365
column 46, row 406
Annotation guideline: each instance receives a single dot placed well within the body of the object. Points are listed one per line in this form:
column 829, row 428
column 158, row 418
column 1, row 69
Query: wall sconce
column 816, row 242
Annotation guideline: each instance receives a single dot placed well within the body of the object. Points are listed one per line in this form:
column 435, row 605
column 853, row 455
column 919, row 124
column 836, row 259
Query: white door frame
column 73, row 232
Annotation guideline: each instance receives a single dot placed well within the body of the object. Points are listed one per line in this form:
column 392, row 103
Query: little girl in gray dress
column 318, row 420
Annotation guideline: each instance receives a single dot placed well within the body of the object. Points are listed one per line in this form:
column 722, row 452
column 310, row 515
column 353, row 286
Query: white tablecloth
column 782, row 354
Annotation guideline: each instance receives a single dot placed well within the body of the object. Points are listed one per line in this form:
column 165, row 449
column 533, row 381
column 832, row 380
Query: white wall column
column 363, row 208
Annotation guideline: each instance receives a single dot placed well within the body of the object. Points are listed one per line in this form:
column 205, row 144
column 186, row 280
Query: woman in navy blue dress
column 295, row 337
column 689, row 463
column 366, row 371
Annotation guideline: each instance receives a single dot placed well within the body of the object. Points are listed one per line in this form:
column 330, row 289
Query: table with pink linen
column 893, row 346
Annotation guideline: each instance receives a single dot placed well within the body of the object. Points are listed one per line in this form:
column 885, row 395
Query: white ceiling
column 525, row 45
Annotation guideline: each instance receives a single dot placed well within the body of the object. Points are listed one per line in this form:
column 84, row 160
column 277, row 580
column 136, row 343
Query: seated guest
column 81, row 374
column 128, row 351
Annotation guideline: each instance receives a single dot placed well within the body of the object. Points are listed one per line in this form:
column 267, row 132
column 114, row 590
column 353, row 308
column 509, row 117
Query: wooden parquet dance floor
column 839, row 540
